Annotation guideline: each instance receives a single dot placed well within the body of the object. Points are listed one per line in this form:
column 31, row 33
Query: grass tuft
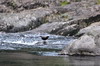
column 64, row 3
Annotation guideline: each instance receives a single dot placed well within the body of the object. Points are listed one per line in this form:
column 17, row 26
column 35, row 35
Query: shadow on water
column 27, row 59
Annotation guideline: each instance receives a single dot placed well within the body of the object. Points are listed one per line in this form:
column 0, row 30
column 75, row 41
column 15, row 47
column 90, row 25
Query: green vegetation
column 64, row 3
column 98, row 1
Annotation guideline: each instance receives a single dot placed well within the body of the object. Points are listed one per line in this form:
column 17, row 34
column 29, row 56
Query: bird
column 44, row 38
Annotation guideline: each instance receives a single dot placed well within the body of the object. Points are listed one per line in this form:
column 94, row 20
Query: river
column 11, row 41
column 26, row 59
column 47, row 56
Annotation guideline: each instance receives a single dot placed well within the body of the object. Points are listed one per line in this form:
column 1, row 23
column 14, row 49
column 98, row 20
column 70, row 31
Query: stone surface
column 85, row 45
column 25, row 20
column 59, row 28
column 88, row 43
column 35, row 13
column 93, row 29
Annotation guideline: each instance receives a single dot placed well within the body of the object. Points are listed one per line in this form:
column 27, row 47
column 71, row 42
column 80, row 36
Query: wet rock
column 85, row 45
column 25, row 20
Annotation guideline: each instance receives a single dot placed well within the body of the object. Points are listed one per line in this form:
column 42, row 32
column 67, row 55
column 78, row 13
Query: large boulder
column 85, row 45
column 88, row 44
column 25, row 20
column 93, row 30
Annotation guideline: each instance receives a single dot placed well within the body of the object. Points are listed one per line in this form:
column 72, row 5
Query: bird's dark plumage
column 44, row 37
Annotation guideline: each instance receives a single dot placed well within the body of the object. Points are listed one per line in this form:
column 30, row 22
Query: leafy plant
column 64, row 3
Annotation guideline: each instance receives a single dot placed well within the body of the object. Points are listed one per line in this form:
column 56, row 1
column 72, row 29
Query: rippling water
column 10, row 41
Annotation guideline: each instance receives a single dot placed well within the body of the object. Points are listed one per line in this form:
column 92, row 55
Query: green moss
column 64, row 3
column 98, row 1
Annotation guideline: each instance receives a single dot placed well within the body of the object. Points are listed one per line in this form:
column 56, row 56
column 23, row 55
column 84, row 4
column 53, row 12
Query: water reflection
column 83, row 61
column 26, row 59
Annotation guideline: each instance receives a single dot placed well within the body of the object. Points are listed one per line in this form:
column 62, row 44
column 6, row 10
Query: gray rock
column 80, row 13
column 4, row 9
column 77, row 14
column 88, row 44
column 20, row 5
column 59, row 28
column 82, row 10
column 93, row 29
column 85, row 45
column 25, row 20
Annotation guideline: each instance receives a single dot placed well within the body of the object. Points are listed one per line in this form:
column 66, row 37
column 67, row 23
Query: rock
column 59, row 28
column 4, row 9
column 25, row 20
column 82, row 10
column 80, row 13
column 20, row 5
column 93, row 30
column 68, row 30
column 5, row 27
column 85, row 45
column 77, row 14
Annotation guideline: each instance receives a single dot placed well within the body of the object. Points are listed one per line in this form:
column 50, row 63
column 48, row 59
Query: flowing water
column 12, row 41
column 39, row 58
